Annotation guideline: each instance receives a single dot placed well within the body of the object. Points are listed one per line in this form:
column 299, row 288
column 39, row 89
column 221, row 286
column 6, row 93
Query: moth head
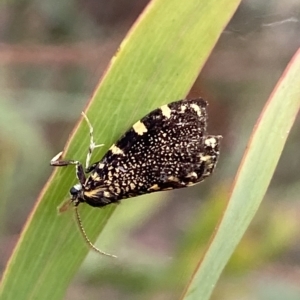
column 76, row 193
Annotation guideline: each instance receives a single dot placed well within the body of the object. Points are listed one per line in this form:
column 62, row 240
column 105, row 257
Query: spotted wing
column 167, row 149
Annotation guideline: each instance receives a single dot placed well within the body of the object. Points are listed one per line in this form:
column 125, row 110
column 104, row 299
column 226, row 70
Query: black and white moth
column 167, row 149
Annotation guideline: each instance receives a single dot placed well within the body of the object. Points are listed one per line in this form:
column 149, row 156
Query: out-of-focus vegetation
column 48, row 70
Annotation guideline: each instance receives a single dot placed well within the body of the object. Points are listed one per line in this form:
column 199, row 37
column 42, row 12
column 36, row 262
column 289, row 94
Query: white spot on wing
column 196, row 108
column 212, row 142
column 205, row 158
column 192, row 174
column 106, row 194
column 154, row 187
column 182, row 109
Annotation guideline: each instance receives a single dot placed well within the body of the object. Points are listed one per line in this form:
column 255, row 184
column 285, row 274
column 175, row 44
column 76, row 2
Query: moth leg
column 55, row 162
column 91, row 168
column 92, row 145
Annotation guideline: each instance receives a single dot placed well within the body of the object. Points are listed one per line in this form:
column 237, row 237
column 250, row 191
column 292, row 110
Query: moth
column 167, row 149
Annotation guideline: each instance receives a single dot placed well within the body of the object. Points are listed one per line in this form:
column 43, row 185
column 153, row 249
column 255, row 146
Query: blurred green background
column 52, row 55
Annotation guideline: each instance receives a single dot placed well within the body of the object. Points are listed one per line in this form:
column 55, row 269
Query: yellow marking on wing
column 94, row 193
column 166, row 111
column 139, row 128
column 154, row 187
column 116, row 150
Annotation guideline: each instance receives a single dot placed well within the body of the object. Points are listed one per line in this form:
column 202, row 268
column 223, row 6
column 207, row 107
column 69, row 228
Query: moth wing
column 166, row 149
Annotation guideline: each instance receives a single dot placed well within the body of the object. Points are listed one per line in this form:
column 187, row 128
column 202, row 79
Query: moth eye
column 74, row 191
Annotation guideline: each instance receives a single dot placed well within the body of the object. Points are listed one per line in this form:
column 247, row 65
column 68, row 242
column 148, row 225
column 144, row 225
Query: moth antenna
column 87, row 240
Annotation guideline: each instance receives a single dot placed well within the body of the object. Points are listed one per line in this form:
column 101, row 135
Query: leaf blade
column 146, row 68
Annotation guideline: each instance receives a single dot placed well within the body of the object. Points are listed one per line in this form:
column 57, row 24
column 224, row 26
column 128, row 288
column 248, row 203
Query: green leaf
column 157, row 63
column 252, row 180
